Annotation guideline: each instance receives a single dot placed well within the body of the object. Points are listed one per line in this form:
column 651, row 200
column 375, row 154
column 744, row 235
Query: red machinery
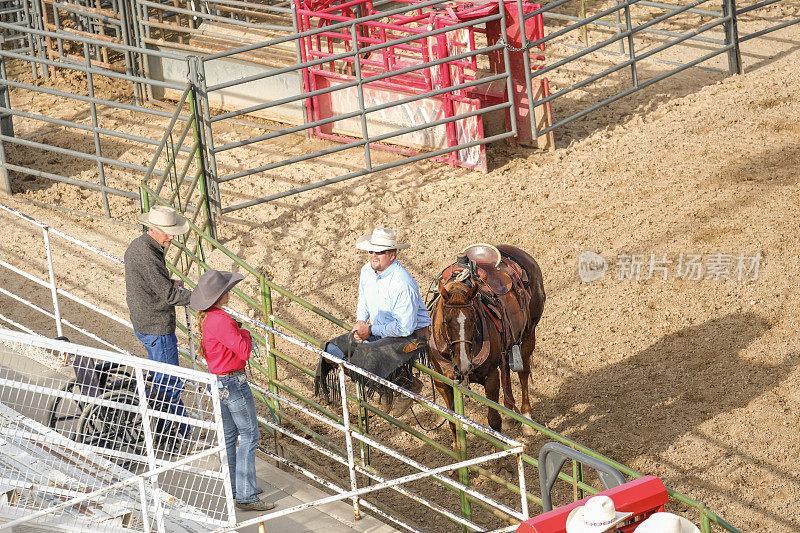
column 315, row 14
column 642, row 497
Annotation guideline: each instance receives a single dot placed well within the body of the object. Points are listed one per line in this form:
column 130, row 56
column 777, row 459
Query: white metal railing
column 52, row 284
column 82, row 441
column 514, row 449
column 352, row 436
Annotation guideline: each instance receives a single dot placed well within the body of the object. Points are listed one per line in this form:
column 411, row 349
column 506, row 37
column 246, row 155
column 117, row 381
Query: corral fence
column 260, row 98
column 288, row 374
column 106, row 417
column 351, row 450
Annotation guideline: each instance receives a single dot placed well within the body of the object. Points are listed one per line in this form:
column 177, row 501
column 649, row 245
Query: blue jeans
column 239, row 421
column 164, row 348
column 335, row 350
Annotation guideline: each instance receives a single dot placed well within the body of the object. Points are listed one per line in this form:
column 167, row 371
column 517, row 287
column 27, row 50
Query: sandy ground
column 694, row 380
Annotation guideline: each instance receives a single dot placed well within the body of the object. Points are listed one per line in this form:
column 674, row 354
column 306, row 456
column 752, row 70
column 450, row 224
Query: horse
column 487, row 302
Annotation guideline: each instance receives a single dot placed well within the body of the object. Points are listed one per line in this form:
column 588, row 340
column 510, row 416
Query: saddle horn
column 466, row 263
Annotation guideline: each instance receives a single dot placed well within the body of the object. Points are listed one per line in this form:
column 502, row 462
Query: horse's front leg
column 492, row 386
column 446, row 392
column 525, row 408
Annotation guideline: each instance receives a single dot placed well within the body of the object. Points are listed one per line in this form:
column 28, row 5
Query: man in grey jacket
column 152, row 296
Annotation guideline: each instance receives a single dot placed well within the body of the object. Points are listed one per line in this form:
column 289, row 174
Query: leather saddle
column 503, row 285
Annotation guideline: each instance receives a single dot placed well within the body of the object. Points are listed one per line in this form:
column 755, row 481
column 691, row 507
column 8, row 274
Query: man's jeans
column 239, row 420
column 164, row 348
column 335, row 350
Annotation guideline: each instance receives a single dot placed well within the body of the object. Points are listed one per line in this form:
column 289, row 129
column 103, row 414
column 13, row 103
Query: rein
column 451, row 342
column 476, row 359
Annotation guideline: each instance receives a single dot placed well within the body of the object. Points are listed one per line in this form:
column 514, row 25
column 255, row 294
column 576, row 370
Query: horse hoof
column 528, row 430
column 454, row 475
column 505, row 465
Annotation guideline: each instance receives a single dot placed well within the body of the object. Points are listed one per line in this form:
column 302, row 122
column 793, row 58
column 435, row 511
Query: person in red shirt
column 226, row 349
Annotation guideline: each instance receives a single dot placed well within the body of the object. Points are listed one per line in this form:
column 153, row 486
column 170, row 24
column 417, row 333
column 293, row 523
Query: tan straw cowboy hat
column 596, row 516
column 164, row 219
column 667, row 523
column 379, row 240
column 211, row 286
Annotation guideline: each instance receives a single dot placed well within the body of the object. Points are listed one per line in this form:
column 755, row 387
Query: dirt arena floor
column 688, row 371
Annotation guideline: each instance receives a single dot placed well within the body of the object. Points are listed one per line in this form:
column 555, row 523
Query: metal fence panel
column 90, row 440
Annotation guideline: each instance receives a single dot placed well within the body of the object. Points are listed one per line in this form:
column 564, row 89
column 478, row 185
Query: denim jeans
column 164, row 348
column 239, row 421
column 332, row 349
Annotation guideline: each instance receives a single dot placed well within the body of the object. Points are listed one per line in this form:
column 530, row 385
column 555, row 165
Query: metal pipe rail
column 345, row 55
column 74, row 37
column 91, row 68
column 81, row 98
column 74, row 65
column 209, row 16
column 622, row 65
column 765, row 31
column 327, row 484
column 297, row 129
column 99, row 476
column 359, row 173
column 730, row 45
column 84, row 127
column 52, row 284
column 367, row 141
column 620, row 26
column 332, row 27
column 357, row 83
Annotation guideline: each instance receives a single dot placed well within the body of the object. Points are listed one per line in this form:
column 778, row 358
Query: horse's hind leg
column 527, row 348
column 492, row 387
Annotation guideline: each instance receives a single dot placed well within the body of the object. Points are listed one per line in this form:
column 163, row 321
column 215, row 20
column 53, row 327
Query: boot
column 258, row 505
column 402, row 403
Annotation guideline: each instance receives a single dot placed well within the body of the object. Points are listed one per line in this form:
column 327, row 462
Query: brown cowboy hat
column 210, row 288
column 164, row 219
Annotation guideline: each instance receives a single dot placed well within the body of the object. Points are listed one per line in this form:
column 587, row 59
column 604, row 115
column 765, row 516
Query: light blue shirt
column 391, row 302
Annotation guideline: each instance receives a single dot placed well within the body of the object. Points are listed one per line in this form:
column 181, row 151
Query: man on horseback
column 391, row 326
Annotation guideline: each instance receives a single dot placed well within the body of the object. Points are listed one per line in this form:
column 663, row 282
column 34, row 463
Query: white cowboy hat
column 596, row 516
column 379, row 240
column 667, row 523
column 164, row 219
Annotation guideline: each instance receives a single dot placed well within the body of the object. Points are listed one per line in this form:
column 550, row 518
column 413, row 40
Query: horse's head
column 456, row 327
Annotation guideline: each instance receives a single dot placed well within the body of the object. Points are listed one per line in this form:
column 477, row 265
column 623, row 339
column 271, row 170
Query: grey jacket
column 151, row 295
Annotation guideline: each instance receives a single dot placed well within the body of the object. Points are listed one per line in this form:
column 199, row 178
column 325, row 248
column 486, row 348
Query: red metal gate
column 402, row 42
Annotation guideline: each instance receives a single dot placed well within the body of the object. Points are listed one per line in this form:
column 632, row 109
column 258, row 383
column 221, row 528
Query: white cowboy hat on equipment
column 379, row 240
column 164, row 219
column 596, row 516
column 667, row 523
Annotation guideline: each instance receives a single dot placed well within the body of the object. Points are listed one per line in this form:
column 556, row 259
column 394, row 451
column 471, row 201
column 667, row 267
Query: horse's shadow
column 643, row 404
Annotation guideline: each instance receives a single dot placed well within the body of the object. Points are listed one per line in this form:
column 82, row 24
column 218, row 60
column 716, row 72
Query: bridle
column 450, row 342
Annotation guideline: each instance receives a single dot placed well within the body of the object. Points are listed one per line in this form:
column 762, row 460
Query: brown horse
column 472, row 318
